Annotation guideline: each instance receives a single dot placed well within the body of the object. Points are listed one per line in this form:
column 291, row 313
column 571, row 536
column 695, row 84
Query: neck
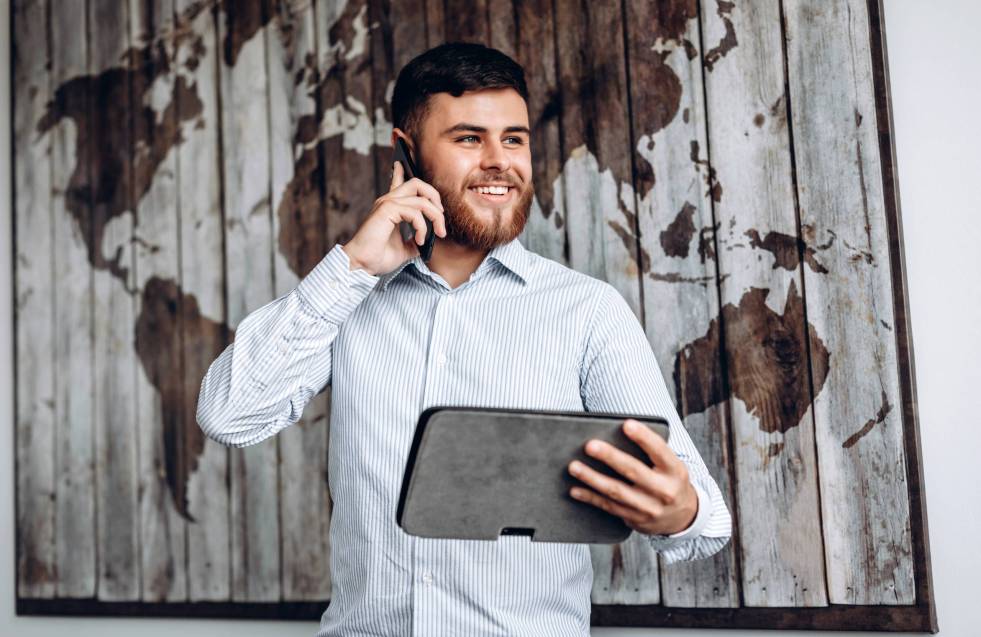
column 455, row 262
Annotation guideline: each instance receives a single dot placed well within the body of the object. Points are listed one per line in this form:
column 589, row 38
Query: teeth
column 492, row 190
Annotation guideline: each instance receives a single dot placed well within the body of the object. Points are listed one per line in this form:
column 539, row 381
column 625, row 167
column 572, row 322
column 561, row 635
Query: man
column 484, row 323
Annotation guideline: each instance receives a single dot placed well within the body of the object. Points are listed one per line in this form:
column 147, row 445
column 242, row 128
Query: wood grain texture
column 347, row 132
column 75, row 539
column 764, row 326
column 36, row 421
column 601, row 213
column 298, row 235
column 864, row 494
column 674, row 192
column 919, row 527
column 163, row 549
column 254, row 470
column 112, row 191
column 201, row 473
column 527, row 34
column 181, row 162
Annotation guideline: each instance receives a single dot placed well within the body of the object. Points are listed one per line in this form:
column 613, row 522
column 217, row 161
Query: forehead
column 493, row 109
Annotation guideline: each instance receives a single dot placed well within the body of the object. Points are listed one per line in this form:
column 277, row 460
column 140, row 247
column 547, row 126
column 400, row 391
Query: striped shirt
column 523, row 332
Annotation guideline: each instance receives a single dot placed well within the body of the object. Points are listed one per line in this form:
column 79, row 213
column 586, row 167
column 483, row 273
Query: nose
column 495, row 156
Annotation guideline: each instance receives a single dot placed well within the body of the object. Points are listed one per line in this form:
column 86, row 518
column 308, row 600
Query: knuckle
column 615, row 491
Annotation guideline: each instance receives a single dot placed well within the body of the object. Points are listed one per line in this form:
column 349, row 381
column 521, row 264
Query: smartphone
column 408, row 172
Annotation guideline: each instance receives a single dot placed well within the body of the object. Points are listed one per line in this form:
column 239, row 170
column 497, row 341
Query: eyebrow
column 465, row 127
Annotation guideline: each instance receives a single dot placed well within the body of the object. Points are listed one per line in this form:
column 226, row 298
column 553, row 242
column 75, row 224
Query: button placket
column 437, row 358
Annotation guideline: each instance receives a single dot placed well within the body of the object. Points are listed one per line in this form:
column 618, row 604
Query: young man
column 484, row 323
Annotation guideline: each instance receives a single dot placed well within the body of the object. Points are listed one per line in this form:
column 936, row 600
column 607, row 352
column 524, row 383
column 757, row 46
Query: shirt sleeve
column 281, row 356
column 620, row 374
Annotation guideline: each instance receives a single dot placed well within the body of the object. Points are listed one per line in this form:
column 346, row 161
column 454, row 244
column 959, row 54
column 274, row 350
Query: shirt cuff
column 662, row 542
column 332, row 290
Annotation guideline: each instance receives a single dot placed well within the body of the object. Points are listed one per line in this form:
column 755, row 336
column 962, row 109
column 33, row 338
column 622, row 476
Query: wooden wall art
column 727, row 166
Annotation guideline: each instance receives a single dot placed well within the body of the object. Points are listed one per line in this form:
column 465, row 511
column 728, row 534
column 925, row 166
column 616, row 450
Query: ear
column 398, row 132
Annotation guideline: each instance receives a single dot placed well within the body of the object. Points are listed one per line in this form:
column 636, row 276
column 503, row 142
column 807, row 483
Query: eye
column 517, row 140
column 466, row 137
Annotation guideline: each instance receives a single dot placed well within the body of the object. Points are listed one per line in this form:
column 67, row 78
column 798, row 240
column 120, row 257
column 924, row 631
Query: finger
column 656, row 447
column 591, row 497
column 429, row 209
column 397, row 177
column 628, row 466
column 414, row 217
column 612, row 488
column 416, row 186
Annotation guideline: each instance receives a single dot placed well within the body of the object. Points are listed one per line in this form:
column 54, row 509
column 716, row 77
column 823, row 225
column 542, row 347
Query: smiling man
column 483, row 323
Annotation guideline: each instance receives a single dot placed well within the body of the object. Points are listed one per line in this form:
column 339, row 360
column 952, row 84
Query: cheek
column 523, row 168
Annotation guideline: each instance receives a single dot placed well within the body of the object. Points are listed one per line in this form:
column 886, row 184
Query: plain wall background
column 933, row 55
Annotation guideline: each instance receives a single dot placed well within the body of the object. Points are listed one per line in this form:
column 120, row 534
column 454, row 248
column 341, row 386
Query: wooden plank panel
column 527, row 33
column 433, row 11
column 600, row 208
column 34, row 305
column 864, row 497
column 674, row 204
column 763, row 316
column 466, row 21
column 298, row 233
column 248, row 271
column 74, row 382
column 114, row 367
column 201, row 471
column 163, row 550
column 346, row 130
column 399, row 36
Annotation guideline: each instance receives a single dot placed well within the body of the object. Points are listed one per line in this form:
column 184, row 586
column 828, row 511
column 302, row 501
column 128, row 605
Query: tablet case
column 475, row 473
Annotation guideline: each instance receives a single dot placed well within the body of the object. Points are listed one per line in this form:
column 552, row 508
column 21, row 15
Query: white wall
column 933, row 55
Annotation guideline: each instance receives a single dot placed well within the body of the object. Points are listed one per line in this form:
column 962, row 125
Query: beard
column 466, row 227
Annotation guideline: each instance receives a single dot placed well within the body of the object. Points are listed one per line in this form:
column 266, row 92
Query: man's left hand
column 654, row 500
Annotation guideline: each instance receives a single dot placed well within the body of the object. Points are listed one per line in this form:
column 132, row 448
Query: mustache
column 496, row 179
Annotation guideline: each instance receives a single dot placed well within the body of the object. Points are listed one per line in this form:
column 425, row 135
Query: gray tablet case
column 475, row 473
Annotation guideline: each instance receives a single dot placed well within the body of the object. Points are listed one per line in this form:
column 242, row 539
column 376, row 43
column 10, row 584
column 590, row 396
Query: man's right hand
column 377, row 247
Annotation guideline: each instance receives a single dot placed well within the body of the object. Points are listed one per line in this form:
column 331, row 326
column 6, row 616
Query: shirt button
column 441, row 359
column 427, row 578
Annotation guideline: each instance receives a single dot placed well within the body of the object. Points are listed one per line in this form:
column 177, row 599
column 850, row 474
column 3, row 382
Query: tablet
column 476, row 473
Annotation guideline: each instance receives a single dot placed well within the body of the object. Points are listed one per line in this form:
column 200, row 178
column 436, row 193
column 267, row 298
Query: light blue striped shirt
column 524, row 332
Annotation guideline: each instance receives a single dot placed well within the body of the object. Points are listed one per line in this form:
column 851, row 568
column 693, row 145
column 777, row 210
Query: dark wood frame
column 920, row 617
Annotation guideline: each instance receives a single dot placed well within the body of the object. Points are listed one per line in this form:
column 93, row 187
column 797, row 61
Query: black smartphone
column 408, row 172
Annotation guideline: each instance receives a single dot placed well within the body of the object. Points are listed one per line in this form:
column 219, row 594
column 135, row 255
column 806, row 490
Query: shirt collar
column 511, row 255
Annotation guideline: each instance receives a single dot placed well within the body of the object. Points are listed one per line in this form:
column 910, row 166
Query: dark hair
column 453, row 67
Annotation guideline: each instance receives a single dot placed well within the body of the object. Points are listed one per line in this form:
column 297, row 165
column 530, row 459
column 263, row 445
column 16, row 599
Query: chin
column 483, row 227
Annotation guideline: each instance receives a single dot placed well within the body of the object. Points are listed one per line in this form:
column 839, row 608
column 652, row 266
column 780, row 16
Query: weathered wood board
column 726, row 166
column 163, row 546
column 36, row 412
column 763, row 327
column 298, row 201
column 859, row 430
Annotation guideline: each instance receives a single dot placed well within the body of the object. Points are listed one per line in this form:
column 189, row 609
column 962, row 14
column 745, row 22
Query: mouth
column 494, row 195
